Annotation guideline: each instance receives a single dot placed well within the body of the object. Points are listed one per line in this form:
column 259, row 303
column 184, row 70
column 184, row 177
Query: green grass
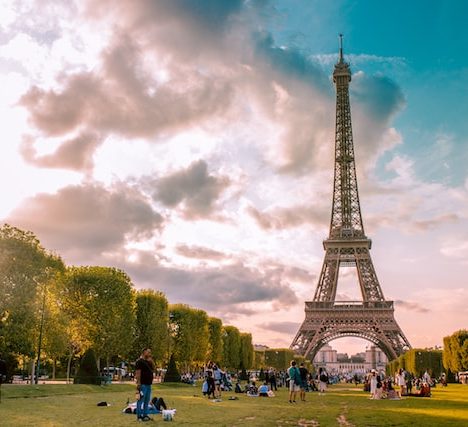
column 342, row 405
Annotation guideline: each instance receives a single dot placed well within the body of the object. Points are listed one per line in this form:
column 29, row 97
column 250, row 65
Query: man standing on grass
column 294, row 381
column 304, row 376
column 144, row 369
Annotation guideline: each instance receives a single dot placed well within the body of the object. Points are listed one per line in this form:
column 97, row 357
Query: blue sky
column 428, row 41
column 190, row 143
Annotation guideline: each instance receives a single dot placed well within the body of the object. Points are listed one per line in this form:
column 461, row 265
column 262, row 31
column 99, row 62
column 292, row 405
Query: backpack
column 324, row 377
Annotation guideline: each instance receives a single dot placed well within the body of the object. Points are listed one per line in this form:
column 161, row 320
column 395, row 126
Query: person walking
column 323, row 380
column 294, row 381
column 144, row 371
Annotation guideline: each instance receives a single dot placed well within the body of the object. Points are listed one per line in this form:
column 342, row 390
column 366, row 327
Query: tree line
column 451, row 360
column 455, row 356
column 57, row 312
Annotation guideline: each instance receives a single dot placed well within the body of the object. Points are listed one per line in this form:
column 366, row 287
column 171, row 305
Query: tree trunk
column 33, row 371
column 69, row 366
column 54, row 365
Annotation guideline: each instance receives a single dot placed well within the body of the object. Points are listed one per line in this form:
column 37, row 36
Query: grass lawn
column 342, row 405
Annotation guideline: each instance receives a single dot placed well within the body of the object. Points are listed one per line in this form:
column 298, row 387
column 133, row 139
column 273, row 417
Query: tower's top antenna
column 341, row 48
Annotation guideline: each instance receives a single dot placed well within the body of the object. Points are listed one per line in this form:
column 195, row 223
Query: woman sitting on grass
column 424, row 391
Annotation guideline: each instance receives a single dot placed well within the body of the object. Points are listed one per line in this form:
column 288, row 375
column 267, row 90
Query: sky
column 191, row 144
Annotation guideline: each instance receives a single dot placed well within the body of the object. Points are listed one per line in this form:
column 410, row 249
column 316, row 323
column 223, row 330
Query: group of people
column 301, row 381
column 215, row 381
column 382, row 387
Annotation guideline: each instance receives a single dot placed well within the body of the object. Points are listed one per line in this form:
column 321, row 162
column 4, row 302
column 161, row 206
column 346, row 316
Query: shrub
column 88, row 372
column 172, row 373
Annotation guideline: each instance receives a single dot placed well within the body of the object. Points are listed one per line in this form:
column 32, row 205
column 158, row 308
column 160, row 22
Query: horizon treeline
column 61, row 311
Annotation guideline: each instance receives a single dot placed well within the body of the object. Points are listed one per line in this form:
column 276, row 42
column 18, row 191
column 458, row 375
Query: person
column 391, row 393
column 323, row 380
column 401, row 381
column 409, row 383
column 294, row 381
column 304, row 374
column 251, row 389
column 424, row 391
column 373, row 383
column 144, row 369
column 272, row 378
column 263, row 390
column 217, row 375
column 158, row 403
column 427, row 378
column 211, row 385
column 379, row 389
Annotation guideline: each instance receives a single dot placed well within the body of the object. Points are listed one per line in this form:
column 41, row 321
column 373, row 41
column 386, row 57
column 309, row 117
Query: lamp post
column 41, row 328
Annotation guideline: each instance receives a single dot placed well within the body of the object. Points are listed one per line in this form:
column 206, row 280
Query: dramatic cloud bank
column 180, row 141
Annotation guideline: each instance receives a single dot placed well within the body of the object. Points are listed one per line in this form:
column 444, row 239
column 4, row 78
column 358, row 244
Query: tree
column 172, row 373
column 259, row 359
column 455, row 354
column 246, row 351
column 57, row 332
column 215, row 346
column 278, row 358
column 88, row 372
column 101, row 301
column 232, row 346
column 25, row 270
column 151, row 327
column 189, row 333
column 447, row 355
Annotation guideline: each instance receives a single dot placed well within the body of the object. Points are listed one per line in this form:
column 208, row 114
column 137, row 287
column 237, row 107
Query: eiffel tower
column 347, row 246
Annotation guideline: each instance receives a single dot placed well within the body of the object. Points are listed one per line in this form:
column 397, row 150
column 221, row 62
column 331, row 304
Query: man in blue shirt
column 294, row 381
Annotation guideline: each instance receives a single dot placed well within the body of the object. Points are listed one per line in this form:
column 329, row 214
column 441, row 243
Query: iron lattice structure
column 347, row 246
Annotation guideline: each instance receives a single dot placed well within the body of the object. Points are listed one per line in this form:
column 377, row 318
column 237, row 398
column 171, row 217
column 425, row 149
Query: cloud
column 282, row 327
column 456, row 248
column 223, row 289
column 411, row 306
column 379, row 95
column 194, row 189
column 200, row 252
column 75, row 154
column 283, row 218
column 81, row 222
column 172, row 65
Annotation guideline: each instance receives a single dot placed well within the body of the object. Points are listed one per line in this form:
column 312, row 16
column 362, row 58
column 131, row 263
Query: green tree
column 231, row 347
column 88, row 372
column 259, row 359
column 172, row 373
column 215, row 345
column 101, row 300
column 57, row 332
column 455, row 356
column 246, row 351
column 25, row 270
column 447, row 355
column 151, row 327
column 278, row 358
column 189, row 334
